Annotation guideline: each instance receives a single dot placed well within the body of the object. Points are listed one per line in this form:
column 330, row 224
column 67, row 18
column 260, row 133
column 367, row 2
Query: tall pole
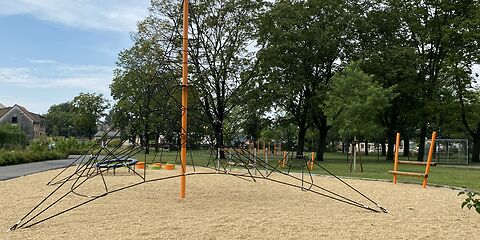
column 183, row 131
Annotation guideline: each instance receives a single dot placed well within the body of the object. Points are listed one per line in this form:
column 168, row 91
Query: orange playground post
column 312, row 161
column 429, row 160
column 183, row 131
column 427, row 164
column 395, row 167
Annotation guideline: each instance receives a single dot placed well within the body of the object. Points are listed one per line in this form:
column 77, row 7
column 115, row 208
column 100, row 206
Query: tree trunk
column 476, row 147
column 406, row 146
column 218, row 128
column 321, row 144
column 301, row 139
column 321, row 124
column 157, row 140
column 147, row 140
column 421, row 144
column 391, row 142
column 384, row 149
column 366, row 148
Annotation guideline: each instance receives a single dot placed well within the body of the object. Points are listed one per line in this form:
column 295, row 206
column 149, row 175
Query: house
column 32, row 124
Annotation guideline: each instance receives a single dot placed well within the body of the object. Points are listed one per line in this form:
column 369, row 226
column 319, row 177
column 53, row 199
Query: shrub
column 73, row 146
column 12, row 137
column 25, row 156
column 40, row 144
column 115, row 142
column 44, row 148
column 471, row 200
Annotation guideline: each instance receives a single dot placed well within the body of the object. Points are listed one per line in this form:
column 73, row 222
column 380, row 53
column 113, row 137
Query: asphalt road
column 14, row 171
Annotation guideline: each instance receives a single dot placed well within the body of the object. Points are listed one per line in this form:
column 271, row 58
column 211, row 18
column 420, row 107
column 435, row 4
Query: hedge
column 11, row 157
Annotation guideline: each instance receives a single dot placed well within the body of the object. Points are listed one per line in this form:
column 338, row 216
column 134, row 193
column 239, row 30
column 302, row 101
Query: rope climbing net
column 96, row 162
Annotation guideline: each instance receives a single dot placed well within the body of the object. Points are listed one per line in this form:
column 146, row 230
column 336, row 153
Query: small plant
column 471, row 200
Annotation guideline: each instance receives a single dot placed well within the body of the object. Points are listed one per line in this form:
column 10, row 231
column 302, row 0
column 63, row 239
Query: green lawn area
column 465, row 177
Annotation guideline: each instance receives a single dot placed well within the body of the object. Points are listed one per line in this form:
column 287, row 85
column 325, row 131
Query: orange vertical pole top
column 183, row 131
column 395, row 165
column 429, row 160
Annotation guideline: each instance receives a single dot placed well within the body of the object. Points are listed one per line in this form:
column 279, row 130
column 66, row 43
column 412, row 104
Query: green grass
column 373, row 168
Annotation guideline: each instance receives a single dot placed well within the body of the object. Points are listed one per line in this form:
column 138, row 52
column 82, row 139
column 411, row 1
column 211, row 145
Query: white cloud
column 114, row 15
column 42, row 61
column 57, row 75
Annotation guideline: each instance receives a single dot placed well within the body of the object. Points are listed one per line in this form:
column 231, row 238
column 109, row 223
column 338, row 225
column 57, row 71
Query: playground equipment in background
column 156, row 166
column 169, row 166
column 427, row 164
column 353, row 159
column 116, row 163
column 140, row 165
column 310, row 164
column 451, row 151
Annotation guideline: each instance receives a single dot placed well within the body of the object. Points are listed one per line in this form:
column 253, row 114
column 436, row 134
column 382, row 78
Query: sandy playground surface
column 226, row 207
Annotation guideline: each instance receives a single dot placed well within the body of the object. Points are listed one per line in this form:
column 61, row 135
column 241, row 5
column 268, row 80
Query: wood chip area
column 227, row 207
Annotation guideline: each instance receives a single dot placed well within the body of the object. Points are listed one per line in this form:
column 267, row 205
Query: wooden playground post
column 427, row 164
column 312, row 161
column 255, row 161
column 258, row 144
column 268, row 147
column 183, row 131
column 354, row 153
column 429, row 160
column 266, row 161
column 395, row 166
column 274, row 149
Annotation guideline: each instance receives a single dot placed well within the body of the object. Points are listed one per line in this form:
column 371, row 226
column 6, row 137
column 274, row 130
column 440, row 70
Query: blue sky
column 51, row 50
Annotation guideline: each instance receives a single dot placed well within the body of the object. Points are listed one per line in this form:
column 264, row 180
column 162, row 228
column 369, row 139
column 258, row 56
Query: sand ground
column 226, row 207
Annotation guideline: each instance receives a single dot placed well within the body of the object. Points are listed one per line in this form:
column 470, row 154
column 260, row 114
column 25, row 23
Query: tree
column 12, row 137
column 469, row 100
column 391, row 61
column 144, row 84
column 88, row 109
column 355, row 102
column 59, row 120
column 220, row 63
column 300, row 55
column 444, row 33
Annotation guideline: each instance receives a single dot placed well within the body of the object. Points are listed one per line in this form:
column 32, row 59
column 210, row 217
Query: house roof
column 35, row 117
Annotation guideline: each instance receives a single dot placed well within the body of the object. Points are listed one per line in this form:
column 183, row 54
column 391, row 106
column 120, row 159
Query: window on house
column 14, row 120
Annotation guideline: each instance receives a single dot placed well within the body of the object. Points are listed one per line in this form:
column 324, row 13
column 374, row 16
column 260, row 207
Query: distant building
column 32, row 124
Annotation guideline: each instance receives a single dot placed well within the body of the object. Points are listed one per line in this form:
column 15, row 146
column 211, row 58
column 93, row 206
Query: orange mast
column 183, row 131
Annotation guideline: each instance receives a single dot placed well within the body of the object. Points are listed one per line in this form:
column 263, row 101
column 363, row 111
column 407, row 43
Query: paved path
column 14, row 171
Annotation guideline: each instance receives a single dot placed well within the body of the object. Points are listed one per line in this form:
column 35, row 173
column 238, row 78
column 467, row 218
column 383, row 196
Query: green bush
column 72, row 145
column 470, row 200
column 12, row 137
column 114, row 142
column 65, row 145
column 44, row 148
column 40, row 144
column 11, row 157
